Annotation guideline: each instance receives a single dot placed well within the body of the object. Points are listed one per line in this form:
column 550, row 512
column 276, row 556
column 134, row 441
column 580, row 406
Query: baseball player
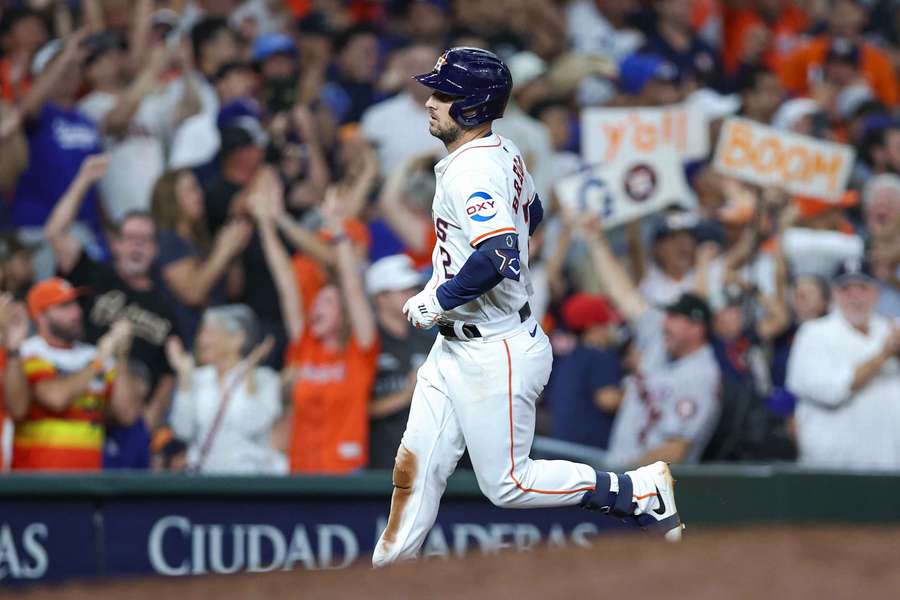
column 477, row 388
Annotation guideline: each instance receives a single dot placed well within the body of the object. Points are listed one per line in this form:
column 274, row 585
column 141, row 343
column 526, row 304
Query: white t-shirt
column 242, row 442
column 196, row 140
column 483, row 191
column 136, row 160
column 398, row 127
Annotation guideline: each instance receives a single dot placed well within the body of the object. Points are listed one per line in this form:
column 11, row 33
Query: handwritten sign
column 770, row 157
column 628, row 188
column 608, row 133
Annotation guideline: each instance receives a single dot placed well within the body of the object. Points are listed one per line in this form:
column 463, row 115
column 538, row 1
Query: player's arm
column 494, row 259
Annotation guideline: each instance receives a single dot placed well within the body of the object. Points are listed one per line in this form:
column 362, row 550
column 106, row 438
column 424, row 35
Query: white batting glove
column 423, row 309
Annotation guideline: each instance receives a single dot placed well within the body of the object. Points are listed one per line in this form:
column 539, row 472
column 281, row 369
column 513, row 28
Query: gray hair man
column 845, row 372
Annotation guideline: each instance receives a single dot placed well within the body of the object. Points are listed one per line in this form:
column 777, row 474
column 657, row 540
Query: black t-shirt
column 109, row 299
column 398, row 357
column 260, row 293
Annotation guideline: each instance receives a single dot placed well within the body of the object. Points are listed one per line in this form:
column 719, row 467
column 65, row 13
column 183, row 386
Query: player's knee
column 404, row 469
column 505, row 494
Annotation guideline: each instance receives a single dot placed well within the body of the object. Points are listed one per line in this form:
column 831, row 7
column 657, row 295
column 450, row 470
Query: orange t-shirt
column 784, row 35
column 800, row 69
column 330, row 429
column 310, row 275
column 11, row 90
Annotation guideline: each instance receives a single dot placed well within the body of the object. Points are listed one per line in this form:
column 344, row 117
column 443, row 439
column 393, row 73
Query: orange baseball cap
column 50, row 292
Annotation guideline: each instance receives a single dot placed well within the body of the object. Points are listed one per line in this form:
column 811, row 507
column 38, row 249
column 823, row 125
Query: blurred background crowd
column 213, row 212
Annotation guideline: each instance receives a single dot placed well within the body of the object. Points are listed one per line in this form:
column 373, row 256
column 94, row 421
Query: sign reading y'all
column 797, row 163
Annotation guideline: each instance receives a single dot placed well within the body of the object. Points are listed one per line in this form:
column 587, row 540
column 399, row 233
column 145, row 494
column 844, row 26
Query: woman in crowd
column 193, row 269
column 225, row 409
column 331, row 360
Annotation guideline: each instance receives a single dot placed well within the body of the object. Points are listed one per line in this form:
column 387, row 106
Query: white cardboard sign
column 767, row 156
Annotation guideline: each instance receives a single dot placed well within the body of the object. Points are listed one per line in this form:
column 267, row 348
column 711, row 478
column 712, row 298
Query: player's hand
column 423, row 310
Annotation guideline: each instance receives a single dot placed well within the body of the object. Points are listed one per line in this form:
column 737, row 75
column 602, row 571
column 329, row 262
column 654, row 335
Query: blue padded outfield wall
column 55, row 528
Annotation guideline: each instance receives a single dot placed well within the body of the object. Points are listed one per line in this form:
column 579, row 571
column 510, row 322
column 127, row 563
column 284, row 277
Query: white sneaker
column 663, row 518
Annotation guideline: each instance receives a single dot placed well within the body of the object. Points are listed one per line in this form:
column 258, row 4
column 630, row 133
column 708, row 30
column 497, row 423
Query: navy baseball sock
column 602, row 498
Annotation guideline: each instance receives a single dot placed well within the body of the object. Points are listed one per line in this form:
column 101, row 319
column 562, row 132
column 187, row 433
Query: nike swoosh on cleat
column 662, row 505
column 533, row 332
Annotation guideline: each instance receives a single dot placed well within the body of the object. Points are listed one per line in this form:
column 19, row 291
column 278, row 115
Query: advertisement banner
column 797, row 163
column 610, row 134
column 182, row 536
column 47, row 541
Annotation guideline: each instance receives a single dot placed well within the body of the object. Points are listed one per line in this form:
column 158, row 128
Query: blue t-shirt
column 127, row 447
column 58, row 142
column 574, row 380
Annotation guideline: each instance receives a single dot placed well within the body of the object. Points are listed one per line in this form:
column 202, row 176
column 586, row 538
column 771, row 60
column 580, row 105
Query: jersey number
column 440, row 230
column 446, row 262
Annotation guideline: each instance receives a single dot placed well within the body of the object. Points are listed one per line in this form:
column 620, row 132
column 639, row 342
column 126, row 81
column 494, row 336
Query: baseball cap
column 49, row 293
column 525, row 67
column 100, row 43
column 843, row 50
column 693, row 307
column 584, row 310
column 272, row 43
column 391, row 274
column 853, row 269
column 675, row 222
column 636, row 70
column 790, row 112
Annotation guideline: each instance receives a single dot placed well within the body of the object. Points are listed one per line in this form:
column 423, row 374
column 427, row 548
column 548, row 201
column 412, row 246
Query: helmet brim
column 434, row 81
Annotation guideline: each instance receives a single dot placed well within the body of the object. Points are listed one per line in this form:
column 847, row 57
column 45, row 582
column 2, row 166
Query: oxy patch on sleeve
column 481, row 207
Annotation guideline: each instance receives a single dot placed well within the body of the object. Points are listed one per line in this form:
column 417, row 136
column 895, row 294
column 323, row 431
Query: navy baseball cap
column 675, row 222
column 853, row 270
column 843, row 50
column 270, row 44
column 693, row 307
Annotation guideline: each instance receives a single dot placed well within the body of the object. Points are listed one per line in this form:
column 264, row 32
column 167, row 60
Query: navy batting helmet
column 479, row 79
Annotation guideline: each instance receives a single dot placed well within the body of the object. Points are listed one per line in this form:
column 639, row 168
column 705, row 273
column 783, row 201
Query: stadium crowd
column 213, row 212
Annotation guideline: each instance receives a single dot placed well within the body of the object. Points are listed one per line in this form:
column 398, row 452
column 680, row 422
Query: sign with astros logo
column 481, row 207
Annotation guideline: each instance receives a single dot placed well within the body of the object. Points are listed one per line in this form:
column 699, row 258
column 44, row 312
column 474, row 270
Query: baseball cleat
column 664, row 518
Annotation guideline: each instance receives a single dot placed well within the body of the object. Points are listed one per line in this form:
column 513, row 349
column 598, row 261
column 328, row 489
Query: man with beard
column 125, row 289
column 845, row 372
column 73, row 387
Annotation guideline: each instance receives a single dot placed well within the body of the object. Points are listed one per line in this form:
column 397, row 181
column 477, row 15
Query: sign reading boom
column 770, row 157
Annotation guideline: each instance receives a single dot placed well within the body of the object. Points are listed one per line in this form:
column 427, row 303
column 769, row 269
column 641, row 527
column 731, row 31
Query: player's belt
column 471, row 331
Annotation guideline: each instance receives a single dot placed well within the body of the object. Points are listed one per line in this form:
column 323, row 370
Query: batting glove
column 423, row 309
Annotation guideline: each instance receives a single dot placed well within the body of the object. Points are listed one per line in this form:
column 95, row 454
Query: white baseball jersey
column 483, row 190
